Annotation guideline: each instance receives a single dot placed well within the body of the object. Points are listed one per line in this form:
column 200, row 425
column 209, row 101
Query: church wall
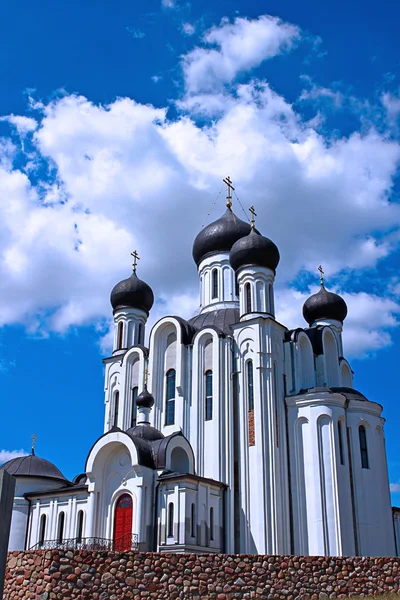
column 67, row 574
column 226, row 289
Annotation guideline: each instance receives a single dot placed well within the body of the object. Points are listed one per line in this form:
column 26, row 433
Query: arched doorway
column 123, row 523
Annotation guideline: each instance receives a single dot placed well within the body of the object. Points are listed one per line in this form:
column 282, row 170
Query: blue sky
column 117, row 123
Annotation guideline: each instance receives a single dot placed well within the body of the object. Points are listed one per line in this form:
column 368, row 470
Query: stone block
column 7, row 487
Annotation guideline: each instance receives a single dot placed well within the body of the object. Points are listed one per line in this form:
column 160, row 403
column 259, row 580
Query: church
column 227, row 432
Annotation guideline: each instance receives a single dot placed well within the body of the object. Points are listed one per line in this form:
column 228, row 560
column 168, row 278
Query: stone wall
column 58, row 574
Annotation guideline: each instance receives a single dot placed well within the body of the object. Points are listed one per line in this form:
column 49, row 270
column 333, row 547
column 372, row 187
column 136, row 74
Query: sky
column 118, row 122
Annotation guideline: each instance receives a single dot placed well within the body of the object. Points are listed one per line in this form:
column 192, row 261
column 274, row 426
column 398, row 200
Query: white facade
column 256, row 443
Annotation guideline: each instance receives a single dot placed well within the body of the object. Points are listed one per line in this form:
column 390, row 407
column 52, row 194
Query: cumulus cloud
column 232, row 48
column 188, row 28
column 6, row 455
column 126, row 175
column 391, row 104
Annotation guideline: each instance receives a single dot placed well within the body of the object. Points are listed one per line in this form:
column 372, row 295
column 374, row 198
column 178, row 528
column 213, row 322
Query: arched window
column 211, row 523
column 60, row 530
column 42, row 529
column 271, row 299
column 170, row 398
column 79, row 526
column 363, row 447
column 134, row 407
column 247, row 291
column 250, row 385
column 236, row 286
column 193, row 520
column 116, row 408
column 140, row 334
column 340, row 436
column 209, row 399
column 171, row 519
column 120, row 335
column 214, row 280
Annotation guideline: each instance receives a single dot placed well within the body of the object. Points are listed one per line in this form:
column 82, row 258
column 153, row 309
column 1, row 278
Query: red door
column 123, row 523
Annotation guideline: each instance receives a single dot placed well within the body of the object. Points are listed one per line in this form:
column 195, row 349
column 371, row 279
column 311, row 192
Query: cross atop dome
column 230, row 187
column 253, row 216
column 136, row 257
column 321, row 275
column 34, row 440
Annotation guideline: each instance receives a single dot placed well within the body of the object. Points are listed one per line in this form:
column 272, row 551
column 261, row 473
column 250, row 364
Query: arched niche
column 346, row 375
column 306, row 369
column 331, row 358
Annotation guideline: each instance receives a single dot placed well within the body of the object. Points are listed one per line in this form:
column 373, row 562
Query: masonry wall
column 57, row 574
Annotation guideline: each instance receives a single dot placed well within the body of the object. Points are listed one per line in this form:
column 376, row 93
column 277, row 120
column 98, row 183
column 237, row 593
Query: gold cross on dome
column 135, row 259
column 34, row 439
column 321, row 275
column 253, row 216
column 230, row 187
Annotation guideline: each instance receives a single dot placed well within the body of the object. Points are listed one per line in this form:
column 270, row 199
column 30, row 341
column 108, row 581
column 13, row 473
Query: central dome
column 219, row 236
column 254, row 249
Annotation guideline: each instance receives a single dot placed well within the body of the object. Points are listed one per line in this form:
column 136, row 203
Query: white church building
column 227, row 433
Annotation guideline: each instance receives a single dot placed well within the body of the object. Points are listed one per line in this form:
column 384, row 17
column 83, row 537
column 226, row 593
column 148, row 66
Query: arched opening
column 362, row 434
column 60, row 528
column 250, row 385
column 247, row 294
column 79, row 526
column 331, row 359
column 211, row 523
column 271, row 299
column 193, row 520
column 209, row 397
column 170, row 397
column 306, row 363
column 140, row 334
column 134, row 407
column 345, row 372
column 170, row 528
column 116, row 408
column 120, row 335
column 179, row 461
column 340, row 437
column 42, row 529
column 214, row 282
column 123, row 523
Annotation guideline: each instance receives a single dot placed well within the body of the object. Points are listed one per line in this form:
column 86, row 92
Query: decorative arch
column 183, row 458
column 305, row 362
column 331, row 357
column 346, row 375
column 123, row 521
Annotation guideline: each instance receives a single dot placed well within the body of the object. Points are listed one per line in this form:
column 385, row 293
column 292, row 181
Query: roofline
column 69, row 488
column 173, row 476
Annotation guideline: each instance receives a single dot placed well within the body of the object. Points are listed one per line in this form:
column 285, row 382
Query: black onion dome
column 145, row 400
column 324, row 305
column 254, row 249
column 133, row 293
column 33, row 466
column 219, row 236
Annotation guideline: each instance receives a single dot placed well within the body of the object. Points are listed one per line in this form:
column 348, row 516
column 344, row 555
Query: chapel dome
column 254, row 249
column 219, row 236
column 33, row 466
column 324, row 305
column 132, row 293
column 146, row 432
column 145, row 400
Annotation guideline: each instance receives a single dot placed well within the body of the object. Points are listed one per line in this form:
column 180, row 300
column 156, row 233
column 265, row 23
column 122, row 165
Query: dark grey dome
column 145, row 400
column 219, row 236
column 221, row 319
column 254, row 249
column 133, row 293
column 146, row 432
column 324, row 305
column 33, row 466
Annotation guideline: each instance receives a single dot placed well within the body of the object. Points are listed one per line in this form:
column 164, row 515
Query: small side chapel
column 228, row 432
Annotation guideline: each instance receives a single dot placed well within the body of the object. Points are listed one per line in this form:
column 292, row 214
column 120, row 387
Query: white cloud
column 235, row 47
column 395, row 487
column 136, row 33
column 188, row 28
column 168, row 3
column 156, row 78
column 315, row 92
column 23, row 125
column 127, row 176
column 392, row 105
column 6, row 455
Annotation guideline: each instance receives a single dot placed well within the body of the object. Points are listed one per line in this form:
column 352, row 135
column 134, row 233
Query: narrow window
column 341, row 455
column 134, row 407
column 79, row 526
column 120, row 335
column 214, row 284
column 171, row 519
column 60, row 534
column 363, row 447
column 209, row 406
column 250, row 385
column 193, row 521
column 236, row 286
column 211, row 523
column 170, row 398
column 116, row 408
column 140, row 334
column 42, row 529
column 247, row 290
